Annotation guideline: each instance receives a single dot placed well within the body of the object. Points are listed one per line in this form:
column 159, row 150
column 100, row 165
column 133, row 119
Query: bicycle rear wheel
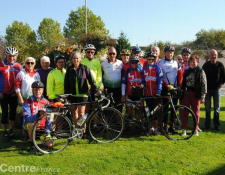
column 174, row 132
column 61, row 130
column 106, row 126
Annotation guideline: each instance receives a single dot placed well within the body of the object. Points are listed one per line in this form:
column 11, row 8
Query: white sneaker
column 157, row 133
column 199, row 130
column 196, row 132
column 184, row 132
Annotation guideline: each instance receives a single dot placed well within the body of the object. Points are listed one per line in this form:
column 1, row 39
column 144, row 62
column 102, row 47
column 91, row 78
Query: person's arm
column 91, row 81
column 99, row 76
column 159, row 80
column 27, row 113
column 67, row 82
column 18, row 84
column 50, row 85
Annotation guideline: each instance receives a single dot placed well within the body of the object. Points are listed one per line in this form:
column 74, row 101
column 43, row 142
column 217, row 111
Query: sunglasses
column 30, row 63
column 90, row 52
column 134, row 62
column 112, row 53
column 150, row 59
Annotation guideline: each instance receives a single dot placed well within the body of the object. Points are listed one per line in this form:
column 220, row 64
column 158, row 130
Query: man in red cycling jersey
column 125, row 55
column 186, row 54
column 9, row 68
column 136, row 51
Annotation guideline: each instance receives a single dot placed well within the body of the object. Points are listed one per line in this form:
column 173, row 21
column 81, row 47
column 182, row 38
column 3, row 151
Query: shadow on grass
column 217, row 171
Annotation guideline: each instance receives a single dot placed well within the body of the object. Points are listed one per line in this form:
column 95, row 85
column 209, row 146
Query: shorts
column 78, row 99
column 135, row 100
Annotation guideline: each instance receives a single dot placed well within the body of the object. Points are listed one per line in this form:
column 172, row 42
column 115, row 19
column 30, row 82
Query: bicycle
column 105, row 125
column 160, row 113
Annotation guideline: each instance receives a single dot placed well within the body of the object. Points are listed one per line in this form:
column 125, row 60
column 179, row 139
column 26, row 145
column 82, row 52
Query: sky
column 143, row 21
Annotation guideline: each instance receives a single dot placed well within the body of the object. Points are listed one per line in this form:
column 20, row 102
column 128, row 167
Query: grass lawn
column 128, row 155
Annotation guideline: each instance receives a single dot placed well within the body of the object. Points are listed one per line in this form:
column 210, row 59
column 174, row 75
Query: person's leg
column 216, row 105
column 195, row 106
column 4, row 106
column 208, row 109
column 75, row 114
column 165, row 100
column 186, row 101
column 81, row 112
column 12, row 113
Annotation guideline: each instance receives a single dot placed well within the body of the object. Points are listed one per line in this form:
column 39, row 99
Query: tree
column 49, row 33
column 122, row 43
column 75, row 24
column 2, row 47
column 21, row 36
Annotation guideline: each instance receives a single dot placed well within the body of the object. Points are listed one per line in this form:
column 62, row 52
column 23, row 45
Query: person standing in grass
column 9, row 69
column 215, row 75
column 194, row 81
column 44, row 71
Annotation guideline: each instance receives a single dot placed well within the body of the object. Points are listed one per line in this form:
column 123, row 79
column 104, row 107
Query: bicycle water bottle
column 82, row 120
column 146, row 109
column 156, row 109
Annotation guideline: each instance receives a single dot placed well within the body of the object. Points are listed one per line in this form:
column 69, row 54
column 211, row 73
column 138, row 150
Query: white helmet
column 11, row 51
column 89, row 47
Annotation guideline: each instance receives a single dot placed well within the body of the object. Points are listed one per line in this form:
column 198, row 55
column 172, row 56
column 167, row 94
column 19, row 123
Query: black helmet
column 89, row 47
column 134, row 58
column 136, row 49
column 151, row 54
column 186, row 50
column 169, row 48
column 37, row 84
column 58, row 57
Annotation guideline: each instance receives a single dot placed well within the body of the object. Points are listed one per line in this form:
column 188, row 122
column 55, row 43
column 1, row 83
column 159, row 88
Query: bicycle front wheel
column 61, row 130
column 178, row 123
column 106, row 126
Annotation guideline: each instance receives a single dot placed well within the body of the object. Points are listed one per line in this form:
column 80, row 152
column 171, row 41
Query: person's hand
column 170, row 87
column 202, row 100
column 123, row 98
column 1, row 95
column 21, row 101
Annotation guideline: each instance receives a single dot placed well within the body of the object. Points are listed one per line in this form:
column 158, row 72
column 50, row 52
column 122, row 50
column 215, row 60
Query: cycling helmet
column 136, row 49
column 58, row 57
column 89, row 47
column 151, row 54
column 37, row 84
column 169, row 48
column 11, row 51
column 125, row 52
column 186, row 50
column 134, row 58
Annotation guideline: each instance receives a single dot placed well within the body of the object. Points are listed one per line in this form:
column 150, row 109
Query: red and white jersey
column 184, row 66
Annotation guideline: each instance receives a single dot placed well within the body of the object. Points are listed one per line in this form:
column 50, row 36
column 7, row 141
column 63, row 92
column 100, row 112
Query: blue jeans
column 216, row 94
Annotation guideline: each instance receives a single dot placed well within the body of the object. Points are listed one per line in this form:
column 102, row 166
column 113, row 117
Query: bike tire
column 106, row 126
column 61, row 131
column 178, row 123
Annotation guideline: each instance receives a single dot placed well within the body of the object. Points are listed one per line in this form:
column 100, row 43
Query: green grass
column 128, row 155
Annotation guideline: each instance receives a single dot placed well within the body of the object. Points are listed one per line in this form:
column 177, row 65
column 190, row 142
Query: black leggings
column 10, row 104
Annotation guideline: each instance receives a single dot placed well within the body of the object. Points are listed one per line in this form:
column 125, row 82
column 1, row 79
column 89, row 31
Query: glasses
column 150, row 59
column 134, row 62
column 32, row 63
column 90, row 52
column 112, row 53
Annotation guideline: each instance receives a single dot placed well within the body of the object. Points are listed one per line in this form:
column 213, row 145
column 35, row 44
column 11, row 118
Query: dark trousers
column 8, row 105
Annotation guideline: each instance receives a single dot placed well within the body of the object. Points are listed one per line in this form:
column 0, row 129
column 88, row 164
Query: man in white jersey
column 172, row 77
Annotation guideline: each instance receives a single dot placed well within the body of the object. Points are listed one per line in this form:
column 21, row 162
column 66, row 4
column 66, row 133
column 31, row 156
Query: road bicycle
column 160, row 113
column 105, row 124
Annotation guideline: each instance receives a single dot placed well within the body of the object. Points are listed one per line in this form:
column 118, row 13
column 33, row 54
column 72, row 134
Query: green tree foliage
column 23, row 38
column 49, row 33
column 207, row 40
column 122, row 43
column 75, row 24
column 2, row 47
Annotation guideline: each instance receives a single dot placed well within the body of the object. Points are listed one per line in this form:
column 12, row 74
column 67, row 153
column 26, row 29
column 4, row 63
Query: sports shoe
column 33, row 149
column 184, row 132
column 199, row 130
column 157, row 133
column 196, row 133
column 172, row 130
column 5, row 138
column 13, row 136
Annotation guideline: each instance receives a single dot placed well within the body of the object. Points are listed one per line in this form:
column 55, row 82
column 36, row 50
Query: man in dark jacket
column 215, row 75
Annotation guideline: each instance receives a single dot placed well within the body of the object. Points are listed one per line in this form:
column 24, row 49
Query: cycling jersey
column 125, row 67
column 184, row 66
column 152, row 78
column 146, row 63
column 112, row 73
column 172, row 73
column 23, row 82
column 141, row 62
column 30, row 110
column 55, row 83
column 8, row 75
column 96, row 70
column 133, row 77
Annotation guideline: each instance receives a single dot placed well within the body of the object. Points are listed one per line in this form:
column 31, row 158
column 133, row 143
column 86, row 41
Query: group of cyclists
column 156, row 76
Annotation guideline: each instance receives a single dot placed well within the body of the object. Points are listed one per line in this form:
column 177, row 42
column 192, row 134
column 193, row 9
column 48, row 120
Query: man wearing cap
column 44, row 71
column 9, row 68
